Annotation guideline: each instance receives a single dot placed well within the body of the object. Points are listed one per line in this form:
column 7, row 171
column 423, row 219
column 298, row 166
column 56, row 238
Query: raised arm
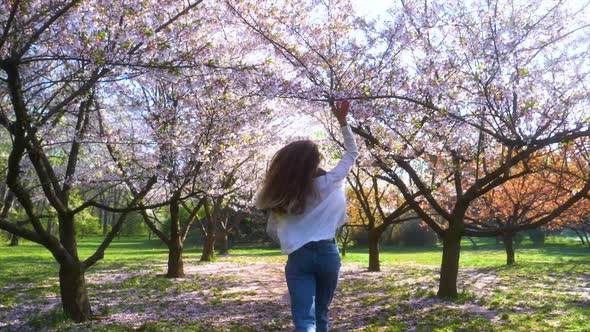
column 345, row 164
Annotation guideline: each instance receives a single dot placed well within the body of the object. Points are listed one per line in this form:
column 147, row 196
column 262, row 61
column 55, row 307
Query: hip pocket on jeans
column 330, row 262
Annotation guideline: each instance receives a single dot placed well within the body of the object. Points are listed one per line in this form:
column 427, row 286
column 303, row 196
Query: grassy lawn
column 487, row 253
column 548, row 289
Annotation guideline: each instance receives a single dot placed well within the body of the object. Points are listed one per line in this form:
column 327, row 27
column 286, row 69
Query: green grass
column 532, row 295
column 487, row 254
column 127, row 251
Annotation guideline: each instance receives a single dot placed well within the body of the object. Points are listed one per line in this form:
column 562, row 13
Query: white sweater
column 323, row 213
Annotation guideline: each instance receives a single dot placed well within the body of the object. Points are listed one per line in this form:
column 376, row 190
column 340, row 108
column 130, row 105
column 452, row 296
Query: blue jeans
column 312, row 276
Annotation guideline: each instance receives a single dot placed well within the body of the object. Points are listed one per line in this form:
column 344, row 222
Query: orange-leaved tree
column 534, row 199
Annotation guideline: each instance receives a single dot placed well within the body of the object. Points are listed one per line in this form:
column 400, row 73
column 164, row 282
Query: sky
column 372, row 8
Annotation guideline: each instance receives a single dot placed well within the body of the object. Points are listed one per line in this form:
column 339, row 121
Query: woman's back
column 305, row 210
column 325, row 208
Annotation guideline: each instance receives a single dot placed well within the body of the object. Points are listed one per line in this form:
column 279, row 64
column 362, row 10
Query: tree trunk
column 74, row 297
column 450, row 263
column 72, row 284
column 175, row 263
column 343, row 236
column 13, row 240
column 113, row 215
column 105, row 222
column 374, row 265
column 472, row 242
column 208, row 247
column 224, row 246
column 509, row 246
column 580, row 236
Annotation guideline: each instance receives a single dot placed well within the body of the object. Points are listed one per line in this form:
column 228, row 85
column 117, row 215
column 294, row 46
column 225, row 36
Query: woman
column 307, row 205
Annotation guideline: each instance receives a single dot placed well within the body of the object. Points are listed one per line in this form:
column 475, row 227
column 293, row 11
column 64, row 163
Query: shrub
column 537, row 236
column 87, row 224
column 134, row 225
column 393, row 236
column 415, row 233
column 412, row 233
column 359, row 235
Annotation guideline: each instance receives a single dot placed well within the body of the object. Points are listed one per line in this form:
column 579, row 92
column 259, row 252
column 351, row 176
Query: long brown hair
column 289, row 178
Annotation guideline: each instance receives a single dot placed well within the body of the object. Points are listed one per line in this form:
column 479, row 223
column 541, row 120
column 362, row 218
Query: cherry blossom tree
column 193, row 123
column 240, row 182
column 315, row 59
column 190, row 127
column 481, row 111
column 58, row 59
column 452, row 98
column 377, row 203
column 227, row 205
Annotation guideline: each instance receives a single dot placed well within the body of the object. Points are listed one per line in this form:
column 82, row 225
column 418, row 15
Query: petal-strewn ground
column 250, row 294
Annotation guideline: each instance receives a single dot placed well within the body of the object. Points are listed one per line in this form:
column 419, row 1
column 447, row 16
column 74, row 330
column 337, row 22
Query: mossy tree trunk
column 507, row 238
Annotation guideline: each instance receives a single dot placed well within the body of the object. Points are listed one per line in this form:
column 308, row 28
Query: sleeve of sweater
column 345, row 164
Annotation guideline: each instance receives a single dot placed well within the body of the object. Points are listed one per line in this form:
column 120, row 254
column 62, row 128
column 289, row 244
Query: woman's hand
column 340, row 110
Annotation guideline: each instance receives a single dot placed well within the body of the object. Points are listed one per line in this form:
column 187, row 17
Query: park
column 546, row 290
column 136, row 135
